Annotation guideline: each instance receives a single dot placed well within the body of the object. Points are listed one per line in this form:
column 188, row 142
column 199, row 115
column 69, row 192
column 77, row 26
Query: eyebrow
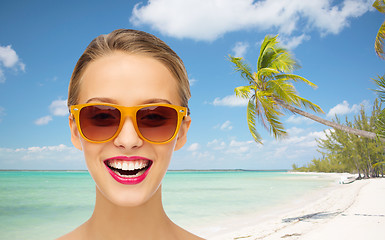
column 101, row 99
column 110, row 100
column 157, row 100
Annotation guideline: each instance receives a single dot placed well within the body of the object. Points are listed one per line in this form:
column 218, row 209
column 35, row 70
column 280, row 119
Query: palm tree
column 380, row 124
column 379, row 44
column 380, row 81
column 270, row 91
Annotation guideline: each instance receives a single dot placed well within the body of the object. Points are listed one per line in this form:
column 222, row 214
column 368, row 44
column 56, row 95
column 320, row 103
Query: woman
column 128, row 98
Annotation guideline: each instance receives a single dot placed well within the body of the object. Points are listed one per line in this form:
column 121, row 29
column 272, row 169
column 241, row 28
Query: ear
column 75, row 135
column 182, row 135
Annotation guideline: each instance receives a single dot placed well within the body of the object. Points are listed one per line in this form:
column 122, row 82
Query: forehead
column 128, row 79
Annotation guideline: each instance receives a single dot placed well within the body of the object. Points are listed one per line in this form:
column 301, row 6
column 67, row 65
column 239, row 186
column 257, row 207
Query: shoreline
column 312, row 216
column 170, row 170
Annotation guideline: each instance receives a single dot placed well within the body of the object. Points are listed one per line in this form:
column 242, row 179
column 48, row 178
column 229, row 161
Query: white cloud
column 192, row 81
column 42, row 157
column 59, row 108
column 296, row 140
column 320, row 135
column 231, row 101
column 240, row 147
column 240, row 48
column 9, row 59
column 193, row 147
column 299, row 147
column 226, row 126
column 216, row 144
column 296, row 119
column 293, row 42
column 22, row 66
column 344, row 108
column 295, row 131
column 56, row 108
column 58, row 148
column 280, row 151
column 8, row 56
column 234, row 143
column 233, row 147
column 2, row 77
column 43, row 120
column 208, row 20
column 332, row 19
column 341, row 108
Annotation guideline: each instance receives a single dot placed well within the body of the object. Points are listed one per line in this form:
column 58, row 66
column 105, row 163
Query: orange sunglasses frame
column 128, row 112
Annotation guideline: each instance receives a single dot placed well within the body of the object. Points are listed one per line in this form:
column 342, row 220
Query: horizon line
column 170, row 170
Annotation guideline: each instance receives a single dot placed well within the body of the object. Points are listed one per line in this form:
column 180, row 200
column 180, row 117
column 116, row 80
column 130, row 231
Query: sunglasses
column 155, row 123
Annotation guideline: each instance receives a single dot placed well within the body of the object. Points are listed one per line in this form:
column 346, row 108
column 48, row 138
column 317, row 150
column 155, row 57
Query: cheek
column 163, row 156
column 167, row 150
column 91, row 154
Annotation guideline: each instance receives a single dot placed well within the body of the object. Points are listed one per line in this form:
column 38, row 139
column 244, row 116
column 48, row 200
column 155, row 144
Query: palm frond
column 380, row 124
column 302, row 102
column 283, row 60
column 251, row 115
column 266, row 73
column 282, row 89
column 268, row 43
column 259, row 109
column 243, row 91
column 271, row 114
column 379, row 5
column 276, row 57
column 267, row 59
column 243, row 68
column 295, row 78
column 379, row 43
column 380, row 82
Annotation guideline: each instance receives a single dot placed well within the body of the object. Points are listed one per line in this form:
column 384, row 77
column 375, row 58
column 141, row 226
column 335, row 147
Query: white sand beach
column 343, row 211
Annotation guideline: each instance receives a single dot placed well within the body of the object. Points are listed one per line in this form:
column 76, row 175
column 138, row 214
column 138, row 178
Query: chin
column 134, row 197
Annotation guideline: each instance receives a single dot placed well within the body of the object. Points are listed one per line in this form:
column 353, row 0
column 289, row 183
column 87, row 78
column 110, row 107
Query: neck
column 147, row 221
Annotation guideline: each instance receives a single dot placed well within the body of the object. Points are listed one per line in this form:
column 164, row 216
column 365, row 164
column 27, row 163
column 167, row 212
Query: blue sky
column 40, row 42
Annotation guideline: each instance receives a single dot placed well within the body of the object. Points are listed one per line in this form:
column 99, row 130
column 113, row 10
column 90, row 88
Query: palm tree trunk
column 335, row 125
column 357, row 167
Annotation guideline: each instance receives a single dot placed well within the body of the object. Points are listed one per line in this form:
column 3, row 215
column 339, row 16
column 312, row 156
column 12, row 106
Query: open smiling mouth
column 128, row 169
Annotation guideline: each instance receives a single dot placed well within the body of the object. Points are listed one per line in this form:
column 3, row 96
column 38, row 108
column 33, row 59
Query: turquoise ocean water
column 44, row 205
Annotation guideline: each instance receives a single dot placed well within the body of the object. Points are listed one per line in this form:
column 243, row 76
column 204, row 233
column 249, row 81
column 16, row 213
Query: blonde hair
column 132, row 42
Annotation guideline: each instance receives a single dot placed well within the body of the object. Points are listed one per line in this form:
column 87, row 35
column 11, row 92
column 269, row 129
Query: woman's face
column 128, row 80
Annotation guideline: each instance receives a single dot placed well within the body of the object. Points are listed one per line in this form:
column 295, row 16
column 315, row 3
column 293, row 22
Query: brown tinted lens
column 157, row 123
column 98, row 122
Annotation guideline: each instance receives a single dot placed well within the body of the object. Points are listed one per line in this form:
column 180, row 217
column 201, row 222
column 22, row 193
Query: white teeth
column 125, row 166
column 128, row 165
column 138, row 165
column 115, row 164
column 131, row 166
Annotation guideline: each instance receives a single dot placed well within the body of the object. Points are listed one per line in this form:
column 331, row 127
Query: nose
column 128, row 138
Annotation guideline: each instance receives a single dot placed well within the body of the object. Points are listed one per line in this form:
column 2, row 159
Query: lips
column 128, row 170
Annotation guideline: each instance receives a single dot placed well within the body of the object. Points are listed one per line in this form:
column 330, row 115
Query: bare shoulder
column 192, row 237
column 77, row 234
column 184, row 234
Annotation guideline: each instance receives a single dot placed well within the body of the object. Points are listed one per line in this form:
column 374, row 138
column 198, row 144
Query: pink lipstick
column 128, row 170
